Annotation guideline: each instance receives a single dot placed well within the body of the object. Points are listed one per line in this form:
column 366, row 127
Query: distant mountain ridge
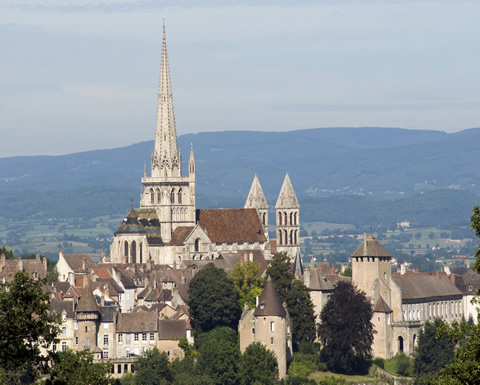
column 372, row 161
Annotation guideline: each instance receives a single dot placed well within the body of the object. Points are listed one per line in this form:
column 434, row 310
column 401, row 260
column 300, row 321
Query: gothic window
column 280, row 237
column 291, row 237
column 295, row 238
column 197, row 244
column 279, row 219
column 180, row 196
column 295, row 218
column 152, row 196
column 133, row 252
column 172, row 196
column 159, row 196
column 285, row 237
column 285, row 217
column 141, row 252
column 263, row 218
column 126, row 249
column 291, row 218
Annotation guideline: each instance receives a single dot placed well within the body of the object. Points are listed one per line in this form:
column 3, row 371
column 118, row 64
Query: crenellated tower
column 256, row 200
column 166, row 190
column 288, row 219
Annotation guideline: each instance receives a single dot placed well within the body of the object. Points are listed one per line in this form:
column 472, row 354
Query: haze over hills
column 375, row 162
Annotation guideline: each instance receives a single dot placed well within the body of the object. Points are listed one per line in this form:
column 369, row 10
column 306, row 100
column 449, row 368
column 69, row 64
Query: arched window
column 197, row 244
column 291, row 218
column 141, row 253
column 279, row 219
column 285, row 237
column 291, row 237
column 400, row 344
column 126, row 249
column 159, row 196
column 414, row 339
column 285, row 217
column 172, row 196
column 133, row 252
column 152, row 196
column 180, row 196
column 295, row 218
column 295, row 238
column 280, row 237
column 263, row 218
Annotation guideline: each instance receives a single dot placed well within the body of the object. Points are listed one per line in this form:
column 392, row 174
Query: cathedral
column 168, row 229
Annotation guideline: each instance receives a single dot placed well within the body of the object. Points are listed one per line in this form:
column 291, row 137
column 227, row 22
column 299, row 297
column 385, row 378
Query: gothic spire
column 256, row 198
column 165, row 160
column 287, row 197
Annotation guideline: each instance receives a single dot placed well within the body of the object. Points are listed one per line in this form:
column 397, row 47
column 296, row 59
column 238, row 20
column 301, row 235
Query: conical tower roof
column 269, row 303
column 370, row 247
column 256, row 198
column 298, row 265
column 131, row 224
column 287, row 197
column 166, row 151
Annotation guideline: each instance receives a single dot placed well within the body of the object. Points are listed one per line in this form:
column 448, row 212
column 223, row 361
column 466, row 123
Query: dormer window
column 262, row 306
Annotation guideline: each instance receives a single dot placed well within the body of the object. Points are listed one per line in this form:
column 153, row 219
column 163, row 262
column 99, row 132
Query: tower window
column 172, row 196
column 180, row 196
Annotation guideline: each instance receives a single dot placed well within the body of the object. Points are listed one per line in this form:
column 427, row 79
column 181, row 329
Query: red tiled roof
column 180, row 234
column 231, row 225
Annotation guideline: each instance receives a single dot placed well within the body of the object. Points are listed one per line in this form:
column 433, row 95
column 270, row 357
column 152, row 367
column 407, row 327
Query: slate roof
column 143, row 321
column 107, row 313
column 425, row 288
column 170, row 329
column 269, row 303
column 370, row 247
column 320, row 281
column 231, row 225
column 75, row 261
column 61, row 286
column 468, row 282
column 61, row 306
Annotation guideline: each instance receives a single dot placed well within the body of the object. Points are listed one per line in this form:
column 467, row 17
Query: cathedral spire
column 165, row 160
column 287, row 196
column 256, row 197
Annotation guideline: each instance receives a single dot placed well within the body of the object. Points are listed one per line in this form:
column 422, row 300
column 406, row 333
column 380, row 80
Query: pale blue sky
column 84, row 76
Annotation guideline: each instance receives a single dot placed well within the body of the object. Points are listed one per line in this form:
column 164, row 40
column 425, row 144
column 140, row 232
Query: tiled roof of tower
column 180, row 234
column 130, row 224
column 231, row 225
column 426, row 287
column 269, row 303
column 87, row 302
column 370, row 247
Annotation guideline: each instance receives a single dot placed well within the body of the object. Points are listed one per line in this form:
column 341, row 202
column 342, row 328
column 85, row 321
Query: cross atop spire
column 165, row 157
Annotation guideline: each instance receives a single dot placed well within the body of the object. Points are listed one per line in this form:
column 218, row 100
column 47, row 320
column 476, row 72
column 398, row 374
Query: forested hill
column 374, row 162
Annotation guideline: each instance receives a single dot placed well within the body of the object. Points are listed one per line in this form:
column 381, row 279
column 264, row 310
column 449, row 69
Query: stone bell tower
column 166, row 190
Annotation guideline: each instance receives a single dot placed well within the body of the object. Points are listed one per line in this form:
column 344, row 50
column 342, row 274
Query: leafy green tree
column 296, row 295
column 26, row 326
column 346, row 330
column 431, row 353
column 8, row 252
column 347, row 272
column 247, row 282
column 219, row 356
column 72, row 368
column 258, row 366
column 153, row 368
column 213, row 300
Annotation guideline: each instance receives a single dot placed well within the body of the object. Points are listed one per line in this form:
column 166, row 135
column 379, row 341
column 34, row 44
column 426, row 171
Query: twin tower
column 168, row 228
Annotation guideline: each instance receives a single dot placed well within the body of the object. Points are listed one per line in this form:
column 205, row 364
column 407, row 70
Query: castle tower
column 288, row 219
column 269, row 323
column 256, row 200
column 166, row 190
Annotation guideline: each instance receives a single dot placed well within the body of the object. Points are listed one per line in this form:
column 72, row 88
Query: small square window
column 136, row 337
column 144, row 336
column 64, row 331
column 152, row 337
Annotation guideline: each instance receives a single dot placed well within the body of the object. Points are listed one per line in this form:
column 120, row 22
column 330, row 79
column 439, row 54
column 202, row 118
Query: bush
column 380, row 362
column 404, row 365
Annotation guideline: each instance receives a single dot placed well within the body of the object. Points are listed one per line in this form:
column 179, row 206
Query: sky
column 80, row 75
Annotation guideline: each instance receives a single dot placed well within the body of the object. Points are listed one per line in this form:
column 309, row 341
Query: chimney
column 37, row 257
column 437, row 274
column 60, row 296
column 60, row 254
column 2, row 261
column 452, row 279
column 107, row 290
column 403, row 268
column 245, row 306
column 20, row 264
column 306, row 276
column 84, row 263
column 71, row 279
column 45, row 266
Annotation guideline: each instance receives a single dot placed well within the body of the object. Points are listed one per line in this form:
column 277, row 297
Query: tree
column 73, row 368
column 153, row 368
column 25, row 326
column 219, row 356
column 347, row 272
column 431, row 353
column 258, row 366
column 8, row 252
column 346, row 330
column 297, row 297
column 247, row 282
column 213, row 300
